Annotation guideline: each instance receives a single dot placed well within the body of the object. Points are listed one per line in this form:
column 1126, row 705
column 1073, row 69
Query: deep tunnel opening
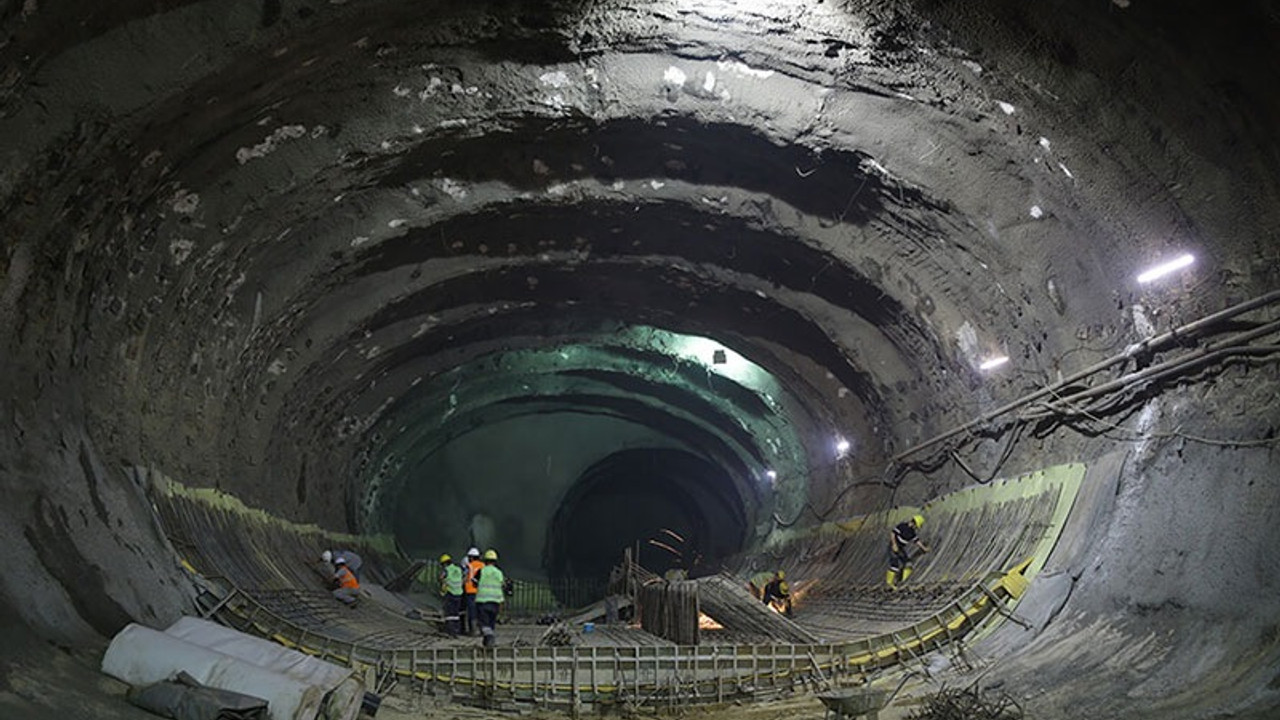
column 176, row 335
column 672, row 508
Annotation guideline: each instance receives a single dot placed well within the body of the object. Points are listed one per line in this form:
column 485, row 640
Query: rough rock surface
column 306, row 251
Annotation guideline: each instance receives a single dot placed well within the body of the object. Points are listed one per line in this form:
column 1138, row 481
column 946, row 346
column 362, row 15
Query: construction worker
column 451, row 594
column 474, row 563
column 354, row 563
column 778, row 593
column 761, row 580
column 490, row 584
column 348, row 587
column 904, row 535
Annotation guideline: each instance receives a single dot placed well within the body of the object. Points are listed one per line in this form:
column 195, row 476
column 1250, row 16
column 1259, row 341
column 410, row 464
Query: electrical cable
column 1139, row 349
column 1173, row 434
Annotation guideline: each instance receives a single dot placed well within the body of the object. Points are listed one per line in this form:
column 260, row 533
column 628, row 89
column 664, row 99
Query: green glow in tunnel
column 745, row 417
column 715, row 356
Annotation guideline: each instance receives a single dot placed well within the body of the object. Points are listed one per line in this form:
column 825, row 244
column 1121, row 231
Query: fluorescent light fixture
column 992, row 363
column 1163, row 269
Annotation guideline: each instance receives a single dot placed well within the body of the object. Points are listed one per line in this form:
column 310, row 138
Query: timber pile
column 727, row 601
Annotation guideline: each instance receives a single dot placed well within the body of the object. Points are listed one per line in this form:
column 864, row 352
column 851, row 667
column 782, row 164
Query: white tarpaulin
column 344, row 690
column 141, row 656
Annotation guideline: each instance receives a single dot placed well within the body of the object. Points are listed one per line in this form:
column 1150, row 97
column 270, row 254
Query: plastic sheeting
column 184, row 699
column 141, row 656
column 344, row 690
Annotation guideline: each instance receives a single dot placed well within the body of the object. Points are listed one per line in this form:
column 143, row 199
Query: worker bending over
column 778, row 594
column 904, row 535
column 490, row 584
column 761, row 580
column 348, row 587
column 451, row 594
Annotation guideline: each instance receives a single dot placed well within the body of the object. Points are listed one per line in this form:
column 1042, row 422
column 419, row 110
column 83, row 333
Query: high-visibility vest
column 489, row 589
column 346, row 578
column 473, row 567
column 451, row 580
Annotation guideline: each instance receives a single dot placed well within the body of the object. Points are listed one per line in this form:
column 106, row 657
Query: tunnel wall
column 1163, row 113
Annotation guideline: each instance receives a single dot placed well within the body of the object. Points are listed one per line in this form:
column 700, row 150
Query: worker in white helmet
column 347, row 587
column 349, row 557
column 470, row 623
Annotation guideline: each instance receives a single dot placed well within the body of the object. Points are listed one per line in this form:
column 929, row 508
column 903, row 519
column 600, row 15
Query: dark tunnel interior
column 708, row 280
column 676, row 509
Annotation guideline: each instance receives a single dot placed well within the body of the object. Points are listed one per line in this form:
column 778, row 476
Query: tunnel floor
column 256, row 575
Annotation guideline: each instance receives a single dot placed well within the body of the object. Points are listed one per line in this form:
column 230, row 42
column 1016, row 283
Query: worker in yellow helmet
column 761, row 580
column 778, row 593
column 451, row 594
column 904, row 535
column 490, row 594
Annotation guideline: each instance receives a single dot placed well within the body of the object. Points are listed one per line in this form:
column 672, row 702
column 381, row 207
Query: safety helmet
column 784, row 588
column 491, row 555
column 340, row 561
column 445, row 558
column 781, row 575
column 326, row 556
column 473, row 552
column 919, row 519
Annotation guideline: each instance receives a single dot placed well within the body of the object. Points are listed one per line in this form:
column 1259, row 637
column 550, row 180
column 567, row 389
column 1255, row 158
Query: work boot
column 890, row 579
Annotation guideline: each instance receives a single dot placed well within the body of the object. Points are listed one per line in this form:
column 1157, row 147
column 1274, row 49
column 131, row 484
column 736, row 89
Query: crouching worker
column 778, row 594
column 904, row 535
column 451, row 594
column 348, row 587
column 353, row 561
column 490, row 582
column 761, row 580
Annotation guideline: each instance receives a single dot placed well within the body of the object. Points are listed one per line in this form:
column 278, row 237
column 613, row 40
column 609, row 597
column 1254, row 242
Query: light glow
column 842, row 446
column 993, row 362
column 771, row 474
column 1163, row 269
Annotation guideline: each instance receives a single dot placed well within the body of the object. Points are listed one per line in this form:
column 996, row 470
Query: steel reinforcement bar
column 579, row 678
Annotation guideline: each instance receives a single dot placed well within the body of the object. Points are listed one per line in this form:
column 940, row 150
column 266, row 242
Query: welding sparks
column 666, row 547
column 993, row 362
column 1163, row 269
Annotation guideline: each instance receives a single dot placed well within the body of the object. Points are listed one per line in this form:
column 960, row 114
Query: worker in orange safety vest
column 470, row 618
column 348, row 587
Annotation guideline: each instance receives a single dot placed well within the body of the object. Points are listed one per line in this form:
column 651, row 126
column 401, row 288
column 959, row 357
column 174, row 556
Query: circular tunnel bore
column 235, row 236
column 674, row 509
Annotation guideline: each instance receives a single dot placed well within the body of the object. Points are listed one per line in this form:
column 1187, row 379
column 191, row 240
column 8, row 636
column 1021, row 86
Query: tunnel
column 697, row 280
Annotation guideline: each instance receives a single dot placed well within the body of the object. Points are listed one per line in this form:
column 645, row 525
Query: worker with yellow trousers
column 490, row 584
column 904, row 535
column 451, row 594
